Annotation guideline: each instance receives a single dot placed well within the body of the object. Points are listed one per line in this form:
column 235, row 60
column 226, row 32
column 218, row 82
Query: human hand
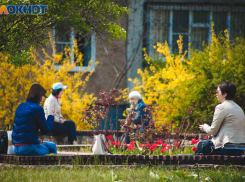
column 62, row 120
column 41, row 141
column 53, row 113
column 132, row 106
column 128, row 110
column 201, row 127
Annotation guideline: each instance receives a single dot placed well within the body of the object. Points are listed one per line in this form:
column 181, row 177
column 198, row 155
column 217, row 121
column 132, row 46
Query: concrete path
column 77, row 153
column 73, row 153
column 79, row 145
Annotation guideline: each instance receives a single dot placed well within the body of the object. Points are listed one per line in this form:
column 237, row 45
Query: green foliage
column 222, row 60
column 184, row 175
column 113, row 178
column 159, row 178
column 21, row 31
column 20, row 59
column 183, row 82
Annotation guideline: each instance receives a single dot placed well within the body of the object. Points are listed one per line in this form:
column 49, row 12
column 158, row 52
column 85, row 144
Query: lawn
column 140, row 173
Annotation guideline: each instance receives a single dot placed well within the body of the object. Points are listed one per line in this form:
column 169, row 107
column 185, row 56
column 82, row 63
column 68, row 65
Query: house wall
column 121, row 51
column 135, row 38
column 198, row 1
column 104, row 75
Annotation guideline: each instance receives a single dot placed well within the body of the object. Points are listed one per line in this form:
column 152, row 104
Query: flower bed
column 157, row 148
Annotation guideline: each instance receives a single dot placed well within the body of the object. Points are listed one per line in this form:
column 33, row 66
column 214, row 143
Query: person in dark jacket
column 138, row 106
column 29, row 118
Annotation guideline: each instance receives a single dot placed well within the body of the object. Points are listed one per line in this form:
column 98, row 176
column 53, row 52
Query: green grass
column 74, row 149
column 143, row 173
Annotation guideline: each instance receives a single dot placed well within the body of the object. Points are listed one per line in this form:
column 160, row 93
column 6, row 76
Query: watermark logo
column 23, row 9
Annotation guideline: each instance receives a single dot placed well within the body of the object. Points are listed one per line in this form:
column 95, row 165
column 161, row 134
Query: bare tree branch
column 121, row 72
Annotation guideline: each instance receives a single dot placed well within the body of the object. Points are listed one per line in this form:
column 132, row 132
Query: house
column 149, row 22
column 152, row 21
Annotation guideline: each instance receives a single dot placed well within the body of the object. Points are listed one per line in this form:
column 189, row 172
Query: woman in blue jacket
column 29, row 118
column 138, row 106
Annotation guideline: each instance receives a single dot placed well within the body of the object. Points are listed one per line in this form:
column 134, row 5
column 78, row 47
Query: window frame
column 172, row 8
column 77, row 68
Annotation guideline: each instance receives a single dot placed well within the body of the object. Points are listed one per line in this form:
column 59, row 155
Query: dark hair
column 35, row 93
column 56, row 92
column 229, row 88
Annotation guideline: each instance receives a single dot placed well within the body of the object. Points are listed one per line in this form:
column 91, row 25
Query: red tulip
column 193, row 141
column 154, row 145
column 109, row 137
column 194, row 149
column 159, row 142
column 130, row 147
column 176, row 144
column 141, row 146
column 168, row 147
column 124, row 145
column 198, row 140
column 163, row 150
column 108, row 146
column 147, row 145
column 113, row 143
column 118, row 143
column 164, row 145
column 131, row 143
column 205, row 137
column 151, row 148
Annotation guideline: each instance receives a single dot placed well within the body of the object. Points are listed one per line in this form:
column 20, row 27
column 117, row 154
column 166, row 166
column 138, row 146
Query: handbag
column 10, row 144
column 4, row 141
column 99, row 146
column 205, row 147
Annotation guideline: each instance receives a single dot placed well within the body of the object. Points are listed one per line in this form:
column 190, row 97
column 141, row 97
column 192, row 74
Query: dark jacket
column 140, row 113
column 29, row 117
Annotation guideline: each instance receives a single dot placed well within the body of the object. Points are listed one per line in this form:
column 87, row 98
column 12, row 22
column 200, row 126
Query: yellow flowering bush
column 16, row 81
column 162, row 88
column 184, row 82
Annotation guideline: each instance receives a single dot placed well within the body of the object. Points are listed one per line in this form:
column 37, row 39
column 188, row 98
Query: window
column 64, row 36
column 193, row 22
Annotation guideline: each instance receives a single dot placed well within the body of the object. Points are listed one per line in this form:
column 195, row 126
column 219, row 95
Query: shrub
column 184, row 81
column 16, row 81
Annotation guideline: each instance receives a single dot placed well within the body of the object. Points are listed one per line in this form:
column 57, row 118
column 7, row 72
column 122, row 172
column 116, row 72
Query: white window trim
column 78, row 68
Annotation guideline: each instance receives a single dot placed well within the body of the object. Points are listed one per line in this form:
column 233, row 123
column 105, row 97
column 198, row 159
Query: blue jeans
column 223, row 151
column 36, row 149
column 68, row 127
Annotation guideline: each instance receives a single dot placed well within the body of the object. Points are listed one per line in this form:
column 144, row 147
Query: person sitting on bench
column 227, row 128
column 61, row 126
column 29, row 118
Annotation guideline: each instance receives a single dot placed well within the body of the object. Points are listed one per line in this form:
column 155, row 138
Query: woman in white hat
column 61, row 126
column 137, row 104
column 135, row 99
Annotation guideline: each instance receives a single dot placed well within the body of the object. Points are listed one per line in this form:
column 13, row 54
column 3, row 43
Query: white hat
column 135, row 94
column 58, row 85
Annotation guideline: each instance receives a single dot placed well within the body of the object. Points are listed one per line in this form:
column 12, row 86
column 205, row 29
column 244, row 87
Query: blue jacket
column 140, row 113
column 29, row 117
